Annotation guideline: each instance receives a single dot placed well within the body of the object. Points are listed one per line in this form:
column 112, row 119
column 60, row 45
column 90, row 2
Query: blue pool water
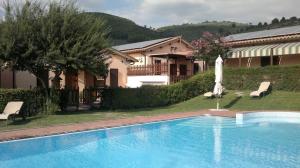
column 201, row 142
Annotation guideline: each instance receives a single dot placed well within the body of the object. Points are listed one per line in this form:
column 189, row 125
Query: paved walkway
column 60, row 129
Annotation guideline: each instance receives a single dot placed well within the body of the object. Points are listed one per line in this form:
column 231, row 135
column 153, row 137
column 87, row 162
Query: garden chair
column 12, row 109
column 263, row 88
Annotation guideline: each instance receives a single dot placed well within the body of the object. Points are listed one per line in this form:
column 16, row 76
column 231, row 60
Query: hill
column 124, row 31
column 194, row 31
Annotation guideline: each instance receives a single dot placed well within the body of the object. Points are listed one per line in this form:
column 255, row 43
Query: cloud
column 168, row 12
column 158, row 13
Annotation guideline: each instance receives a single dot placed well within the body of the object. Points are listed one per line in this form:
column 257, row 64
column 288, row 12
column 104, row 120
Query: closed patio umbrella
column 218, row 89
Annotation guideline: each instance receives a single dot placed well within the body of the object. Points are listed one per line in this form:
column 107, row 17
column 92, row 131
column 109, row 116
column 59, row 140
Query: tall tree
column 275, row 21
column 209, row 47
column 53, row 36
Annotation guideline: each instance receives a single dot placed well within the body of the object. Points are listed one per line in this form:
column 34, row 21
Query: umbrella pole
column 218, row 103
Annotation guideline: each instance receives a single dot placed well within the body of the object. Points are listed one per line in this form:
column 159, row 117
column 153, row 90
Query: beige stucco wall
column 62, row 82
column 117, row 62
column 81, row 80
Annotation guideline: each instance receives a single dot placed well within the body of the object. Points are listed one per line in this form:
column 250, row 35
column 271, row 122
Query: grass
column 277, row 100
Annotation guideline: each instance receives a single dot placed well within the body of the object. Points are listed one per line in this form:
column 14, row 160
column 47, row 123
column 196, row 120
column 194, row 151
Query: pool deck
column 61, row 129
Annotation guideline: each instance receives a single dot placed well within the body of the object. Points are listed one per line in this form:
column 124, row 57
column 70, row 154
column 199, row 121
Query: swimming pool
column 199, row 142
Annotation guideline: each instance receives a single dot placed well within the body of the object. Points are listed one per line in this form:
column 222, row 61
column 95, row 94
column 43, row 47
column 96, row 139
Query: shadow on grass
column 233, row 102
column 20, row 121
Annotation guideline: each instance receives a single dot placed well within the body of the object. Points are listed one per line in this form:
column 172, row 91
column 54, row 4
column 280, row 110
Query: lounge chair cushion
column 264, row 87
column 10, row 109
column 208, row 94
column 4, row 116
column 255, row 94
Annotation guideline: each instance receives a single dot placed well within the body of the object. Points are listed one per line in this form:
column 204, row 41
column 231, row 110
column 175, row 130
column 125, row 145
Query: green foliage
column 28, row 96
column 209, row 47
column 192, row 32
column 153, row 96
column 285, row 78
column 126, row 31
column 60, row 38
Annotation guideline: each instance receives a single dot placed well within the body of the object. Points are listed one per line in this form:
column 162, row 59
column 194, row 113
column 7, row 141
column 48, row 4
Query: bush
column 32, row 99
column 285, row 78
column 154, row 96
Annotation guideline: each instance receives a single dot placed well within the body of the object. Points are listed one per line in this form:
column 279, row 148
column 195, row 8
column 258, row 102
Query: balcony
column 156, row 70
column 148, row 70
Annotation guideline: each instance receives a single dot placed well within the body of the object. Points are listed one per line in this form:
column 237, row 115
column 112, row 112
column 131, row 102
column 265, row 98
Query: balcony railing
column 147, row 70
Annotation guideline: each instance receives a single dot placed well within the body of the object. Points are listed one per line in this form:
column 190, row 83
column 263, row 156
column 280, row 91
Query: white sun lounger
column 11, row 109
column 264, row 87
column 209, row 94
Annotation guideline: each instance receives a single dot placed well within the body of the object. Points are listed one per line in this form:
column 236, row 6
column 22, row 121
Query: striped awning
column 266, row 50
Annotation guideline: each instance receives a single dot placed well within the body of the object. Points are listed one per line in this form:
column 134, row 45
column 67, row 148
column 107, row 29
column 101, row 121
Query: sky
column 157, row 13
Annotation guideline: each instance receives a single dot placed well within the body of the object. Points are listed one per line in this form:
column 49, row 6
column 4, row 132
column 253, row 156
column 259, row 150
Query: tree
column 283, row 20
column 209, row 47
column 260, row 25
column 293, row 19
column 53, row 36
column 275, row 21
column 265, row 24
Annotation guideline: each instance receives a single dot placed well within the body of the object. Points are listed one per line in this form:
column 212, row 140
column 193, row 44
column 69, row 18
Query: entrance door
column 196, row 68
column 173, row 69
column 114, row 78
column 183, row 70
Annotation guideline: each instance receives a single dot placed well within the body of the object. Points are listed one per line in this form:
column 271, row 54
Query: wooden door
column 173, row 69
column 183, row 70
column 114, row 78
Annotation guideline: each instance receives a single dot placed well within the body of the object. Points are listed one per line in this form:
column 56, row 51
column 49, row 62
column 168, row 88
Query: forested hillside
column 123, row 31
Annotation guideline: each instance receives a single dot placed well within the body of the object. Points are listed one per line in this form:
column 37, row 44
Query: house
column 160, row 62
column 155, row 62
column 79, row 80
column 279, row 46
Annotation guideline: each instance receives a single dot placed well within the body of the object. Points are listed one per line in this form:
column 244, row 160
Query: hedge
column 29, row 97
column 154, row 96
column 285, row 78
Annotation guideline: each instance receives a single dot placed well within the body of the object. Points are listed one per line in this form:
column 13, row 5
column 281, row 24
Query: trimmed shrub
column 154, row 96
column 29, row 97
column 285, row 78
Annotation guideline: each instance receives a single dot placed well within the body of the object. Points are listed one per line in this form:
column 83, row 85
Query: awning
column 265, row 50
column 287, row 49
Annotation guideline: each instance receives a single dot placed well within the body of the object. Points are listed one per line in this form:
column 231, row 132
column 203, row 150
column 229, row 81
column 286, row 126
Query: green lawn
column 286, row 101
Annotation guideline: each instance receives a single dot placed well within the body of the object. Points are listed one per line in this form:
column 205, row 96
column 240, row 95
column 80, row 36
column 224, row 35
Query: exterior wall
column 145, row 59
column 116, row 62
column 256, row 61
column 7, row 79
column 138, row 81
column 234, row 62
column 290, row 59
column 25, row 80
column 62, row 82
column 17, row 79
column 81, row 80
